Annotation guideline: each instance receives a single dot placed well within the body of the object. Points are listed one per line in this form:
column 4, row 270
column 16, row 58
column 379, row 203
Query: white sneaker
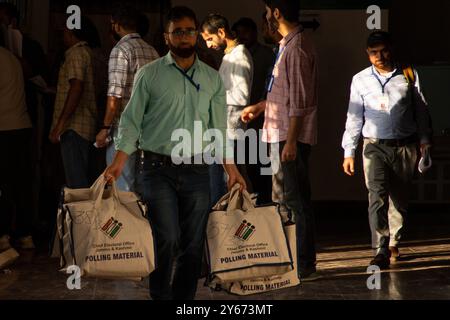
column 4, row 243
column 26, row 243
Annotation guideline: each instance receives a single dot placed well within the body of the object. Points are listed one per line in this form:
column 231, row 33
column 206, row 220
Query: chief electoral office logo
column 245, row 231
column 112, row 228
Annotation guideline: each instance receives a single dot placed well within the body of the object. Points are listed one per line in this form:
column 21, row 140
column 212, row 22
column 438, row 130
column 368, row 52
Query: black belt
column 166, row 161
column 394, row 142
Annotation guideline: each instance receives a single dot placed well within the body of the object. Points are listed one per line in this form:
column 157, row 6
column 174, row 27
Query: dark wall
column 421, row 30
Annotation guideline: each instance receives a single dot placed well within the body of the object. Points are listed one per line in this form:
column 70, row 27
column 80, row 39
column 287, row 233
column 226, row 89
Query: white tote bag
column 245, row 242
column 287, row 280
column 104, row 233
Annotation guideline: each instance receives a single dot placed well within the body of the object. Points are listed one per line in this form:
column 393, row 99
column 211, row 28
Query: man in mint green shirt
column 174, row 95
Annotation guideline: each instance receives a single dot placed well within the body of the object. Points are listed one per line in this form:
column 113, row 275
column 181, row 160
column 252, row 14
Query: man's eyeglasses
column 181, row 33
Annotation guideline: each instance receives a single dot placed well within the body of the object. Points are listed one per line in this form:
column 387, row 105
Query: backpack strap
column 408, row 72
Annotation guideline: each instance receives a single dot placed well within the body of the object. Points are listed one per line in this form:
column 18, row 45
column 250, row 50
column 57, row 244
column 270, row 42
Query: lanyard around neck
column 383, row 86
column 280, row 52
column 189, row 77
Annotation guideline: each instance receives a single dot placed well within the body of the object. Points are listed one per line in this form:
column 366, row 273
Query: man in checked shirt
column 129, row 55
column 387, row 106
column 290, row 125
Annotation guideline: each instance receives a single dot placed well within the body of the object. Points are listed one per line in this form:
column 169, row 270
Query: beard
column 116, row 36
column 222, row 46
column 273, row 24
column 185, row 52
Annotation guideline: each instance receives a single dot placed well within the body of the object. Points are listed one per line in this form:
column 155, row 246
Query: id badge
column 383, row 102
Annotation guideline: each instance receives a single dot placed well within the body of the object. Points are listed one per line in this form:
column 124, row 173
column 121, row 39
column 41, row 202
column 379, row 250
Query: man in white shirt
column 236, row 71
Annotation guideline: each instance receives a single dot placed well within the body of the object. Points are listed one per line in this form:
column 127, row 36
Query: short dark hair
column 379, row 37
column 88, row 33
column 127, row 16
column 289, row 9
column 245, row 23
column 180, row 12
column 143, row 25
column 213, row 22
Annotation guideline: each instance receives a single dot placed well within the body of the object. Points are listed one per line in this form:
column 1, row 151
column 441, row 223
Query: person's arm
column 423, row 118
column 301, row 83
column 76, row 66
column 252, row 112
column 130, row 125
column 353, row 127
column 72, row 101
column 118, row 77
column 289, row 152
column 218, row 120
column 242, row 78
column 112, row 105
column 234, row 176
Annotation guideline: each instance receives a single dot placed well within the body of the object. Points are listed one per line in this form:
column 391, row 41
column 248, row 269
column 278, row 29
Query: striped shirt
column 293, row 91
column 129, row 55
column 385, row 107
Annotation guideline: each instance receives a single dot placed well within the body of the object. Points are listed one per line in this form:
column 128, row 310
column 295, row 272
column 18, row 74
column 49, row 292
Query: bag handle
column 408, row 72
column 98, row 189
column 235, row 199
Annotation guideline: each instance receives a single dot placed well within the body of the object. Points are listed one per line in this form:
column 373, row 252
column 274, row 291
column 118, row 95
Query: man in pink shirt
column 291, row 125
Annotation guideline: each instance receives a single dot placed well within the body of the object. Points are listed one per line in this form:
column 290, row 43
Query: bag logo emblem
column 245, row 231
column 112, row 228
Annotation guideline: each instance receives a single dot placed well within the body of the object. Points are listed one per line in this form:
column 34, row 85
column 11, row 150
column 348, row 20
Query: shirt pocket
column 203, row 103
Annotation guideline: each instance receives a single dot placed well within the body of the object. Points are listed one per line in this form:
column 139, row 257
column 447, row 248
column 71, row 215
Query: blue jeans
column 75, row 156
column 178, row 202
column 127, row 181
column 217, row 183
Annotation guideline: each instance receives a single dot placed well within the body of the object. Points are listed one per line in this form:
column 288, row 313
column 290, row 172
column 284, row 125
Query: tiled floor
column 343, row 255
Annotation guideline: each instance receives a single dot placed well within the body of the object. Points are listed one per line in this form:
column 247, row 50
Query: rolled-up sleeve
column 355, row 122
column 130, row 124
column 118, row 73
column 301, row 76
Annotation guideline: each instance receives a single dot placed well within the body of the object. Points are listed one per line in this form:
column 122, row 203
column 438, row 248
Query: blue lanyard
column 190, row 78
column 381, row 83
column 272, row 77
column 280, row 52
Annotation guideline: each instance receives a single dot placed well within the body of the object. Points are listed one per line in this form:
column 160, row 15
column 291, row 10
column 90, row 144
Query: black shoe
column 381, row 261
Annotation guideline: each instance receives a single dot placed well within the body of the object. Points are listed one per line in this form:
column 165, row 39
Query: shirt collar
column 128, row 37
column 387, row 75
column 291, row 36
column 169, row 60
column 79, row 44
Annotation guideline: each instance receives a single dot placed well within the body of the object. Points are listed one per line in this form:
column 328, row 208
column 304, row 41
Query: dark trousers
column 75, row 152
column 178, row 201
column 262, row 184
column 292, row 190
column 388, row 173
column 217, row 183
column 15, row 182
